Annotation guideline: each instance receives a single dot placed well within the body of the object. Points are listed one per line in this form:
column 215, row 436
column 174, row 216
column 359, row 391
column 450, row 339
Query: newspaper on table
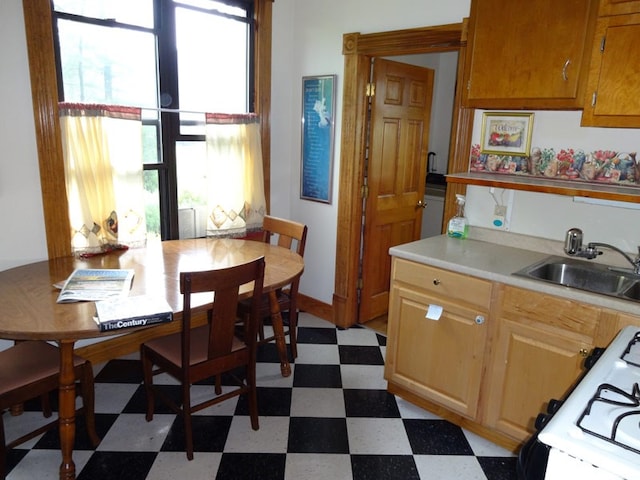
column 90, row 285
column 135, row 311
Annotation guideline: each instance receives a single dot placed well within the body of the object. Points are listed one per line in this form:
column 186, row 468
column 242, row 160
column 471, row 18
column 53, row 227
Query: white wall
column 315, row 48
column 22, row 235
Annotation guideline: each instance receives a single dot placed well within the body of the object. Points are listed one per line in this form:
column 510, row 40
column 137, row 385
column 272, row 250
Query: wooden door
column 398, row 146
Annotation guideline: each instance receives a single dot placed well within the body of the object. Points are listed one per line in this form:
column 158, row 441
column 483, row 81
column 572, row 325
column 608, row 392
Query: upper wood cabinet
column 528, row 54
column 613, row 88
column 618, row 7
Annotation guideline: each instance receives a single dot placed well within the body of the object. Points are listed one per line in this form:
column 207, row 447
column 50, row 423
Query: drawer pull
column 436, row 281
column 479, row 319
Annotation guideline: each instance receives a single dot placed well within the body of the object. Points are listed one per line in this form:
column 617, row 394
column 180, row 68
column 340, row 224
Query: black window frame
column 168, row 127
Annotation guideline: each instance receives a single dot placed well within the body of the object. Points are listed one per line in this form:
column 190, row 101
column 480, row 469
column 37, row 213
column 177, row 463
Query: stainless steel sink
column 592, row 277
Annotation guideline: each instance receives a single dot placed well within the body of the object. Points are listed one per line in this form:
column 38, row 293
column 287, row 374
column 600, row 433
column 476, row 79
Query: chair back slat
column 287, row 231
column 224, row 284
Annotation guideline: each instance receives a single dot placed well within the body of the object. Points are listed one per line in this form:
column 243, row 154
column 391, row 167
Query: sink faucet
column 573, row 246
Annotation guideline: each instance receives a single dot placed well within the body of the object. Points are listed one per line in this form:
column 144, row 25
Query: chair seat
column 30, row 362
column 170, row 346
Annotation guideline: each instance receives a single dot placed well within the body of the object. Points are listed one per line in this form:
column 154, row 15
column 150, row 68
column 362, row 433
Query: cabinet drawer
column 443, row 283
column 557, row 312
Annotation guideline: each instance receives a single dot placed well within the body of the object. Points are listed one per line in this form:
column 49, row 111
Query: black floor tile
column 209, row 434
column 499, row 468
column 120, row 371
column 323, row 376
column 360, row 355
column 318, row 435
column 273, row 402
column 384, row 467
column 436, row 437
column 319, row 336
column 370, row 403
column 118, row 465
column 262, row 466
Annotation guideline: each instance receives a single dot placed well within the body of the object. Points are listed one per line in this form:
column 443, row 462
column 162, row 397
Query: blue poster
column 318, row 105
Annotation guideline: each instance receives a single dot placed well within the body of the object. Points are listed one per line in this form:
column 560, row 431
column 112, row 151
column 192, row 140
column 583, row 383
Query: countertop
column 494, row 257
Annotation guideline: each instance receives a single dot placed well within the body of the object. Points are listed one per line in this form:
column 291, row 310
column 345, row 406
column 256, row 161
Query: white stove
column 595, row 435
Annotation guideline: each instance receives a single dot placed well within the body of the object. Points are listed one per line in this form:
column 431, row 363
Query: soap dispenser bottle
column 458, row 226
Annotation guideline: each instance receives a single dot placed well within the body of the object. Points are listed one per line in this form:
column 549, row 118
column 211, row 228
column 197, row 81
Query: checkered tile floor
column 331, row 419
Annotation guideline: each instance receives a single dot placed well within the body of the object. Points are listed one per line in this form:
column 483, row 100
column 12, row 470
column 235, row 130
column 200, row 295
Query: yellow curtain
column 102, row 147
column 236, row 201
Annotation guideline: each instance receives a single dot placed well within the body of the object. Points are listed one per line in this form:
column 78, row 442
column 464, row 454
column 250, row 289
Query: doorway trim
column 358, row 51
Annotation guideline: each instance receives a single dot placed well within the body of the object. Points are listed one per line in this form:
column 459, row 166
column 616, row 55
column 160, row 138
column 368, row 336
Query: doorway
column 358, row 52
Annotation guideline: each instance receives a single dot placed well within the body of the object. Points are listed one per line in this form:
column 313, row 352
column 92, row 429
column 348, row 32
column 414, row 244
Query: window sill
column 558, row 187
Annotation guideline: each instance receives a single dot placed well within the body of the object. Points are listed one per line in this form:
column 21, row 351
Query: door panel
column 400, row 116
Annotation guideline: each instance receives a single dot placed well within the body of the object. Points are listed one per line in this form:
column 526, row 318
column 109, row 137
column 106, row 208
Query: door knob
column 421, row 204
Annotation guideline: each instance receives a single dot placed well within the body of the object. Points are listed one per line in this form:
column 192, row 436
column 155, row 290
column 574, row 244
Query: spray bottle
column 458, row 225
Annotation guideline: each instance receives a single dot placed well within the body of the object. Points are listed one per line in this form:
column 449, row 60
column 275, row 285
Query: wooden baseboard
column 481, row 430
column 315, row 307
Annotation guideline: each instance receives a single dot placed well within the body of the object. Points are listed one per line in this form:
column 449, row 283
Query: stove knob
column 541, row 421
column 554, row 405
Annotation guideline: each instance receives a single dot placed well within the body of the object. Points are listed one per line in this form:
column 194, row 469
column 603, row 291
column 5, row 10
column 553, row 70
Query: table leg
column 278, row 332
column 67, row 413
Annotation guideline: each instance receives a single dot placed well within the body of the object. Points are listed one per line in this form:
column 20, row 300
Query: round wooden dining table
column 29, row 311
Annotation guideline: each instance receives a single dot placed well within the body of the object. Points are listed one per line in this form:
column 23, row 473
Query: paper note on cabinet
column 434, row 312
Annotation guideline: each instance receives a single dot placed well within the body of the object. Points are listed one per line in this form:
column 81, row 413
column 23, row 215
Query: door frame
column 358, row 50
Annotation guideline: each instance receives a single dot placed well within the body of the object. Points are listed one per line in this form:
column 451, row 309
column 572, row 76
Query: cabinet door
column 531, row 366
column 613, row 89
column 528, row 54
column 438, row 360
column 618, row 7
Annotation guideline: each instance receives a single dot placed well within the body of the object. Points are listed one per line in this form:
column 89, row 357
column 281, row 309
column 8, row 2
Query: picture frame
column 506, row 133
column 318, row 132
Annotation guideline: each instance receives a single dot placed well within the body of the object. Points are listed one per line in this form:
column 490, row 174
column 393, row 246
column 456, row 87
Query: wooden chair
column 31, row 369
column 208, row 351
column 290, row 235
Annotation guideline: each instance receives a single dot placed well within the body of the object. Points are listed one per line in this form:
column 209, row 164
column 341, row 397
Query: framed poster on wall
column 318, row 130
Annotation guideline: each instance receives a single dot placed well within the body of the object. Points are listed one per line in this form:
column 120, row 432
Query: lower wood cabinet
column 497, row 354
column 438, row 360
column 538, row 351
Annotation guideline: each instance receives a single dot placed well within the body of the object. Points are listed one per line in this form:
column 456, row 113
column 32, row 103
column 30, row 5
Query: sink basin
column 592, row 277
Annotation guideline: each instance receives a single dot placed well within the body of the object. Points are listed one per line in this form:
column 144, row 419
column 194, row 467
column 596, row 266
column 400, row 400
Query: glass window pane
column 192, row 188
column 107, row 65
column 211, row 79
column 211, row 5
column 152, row 204
column 150, row 143
column 136, row 12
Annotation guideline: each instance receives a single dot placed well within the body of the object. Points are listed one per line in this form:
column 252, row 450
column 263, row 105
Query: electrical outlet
column 499, row 216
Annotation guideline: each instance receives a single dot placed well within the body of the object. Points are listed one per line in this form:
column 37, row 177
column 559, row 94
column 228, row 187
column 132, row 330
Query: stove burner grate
column 631, row 354
column 626, row 400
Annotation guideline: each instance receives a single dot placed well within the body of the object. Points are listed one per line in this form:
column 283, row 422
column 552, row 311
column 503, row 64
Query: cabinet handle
column 421, row 204
column 564, row 70
column 436, row 281
column 479, row 319
column 584, row 352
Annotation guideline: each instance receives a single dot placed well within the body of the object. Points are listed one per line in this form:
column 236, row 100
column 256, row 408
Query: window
column 176, row 59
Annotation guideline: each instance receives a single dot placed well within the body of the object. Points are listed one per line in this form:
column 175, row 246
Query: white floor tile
column 317, row 402
column 133, row 433
column 409, row 410
column 45, row 464
column 448, row 467
column 305, row 466
column 308, row 320
column 270, row 375
column 377, row 436
column 318, row 354
column 272, row 436
column 484, row 448
column 174, row 465
column 357, row 336
column 363, row 376
column 113, row 397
